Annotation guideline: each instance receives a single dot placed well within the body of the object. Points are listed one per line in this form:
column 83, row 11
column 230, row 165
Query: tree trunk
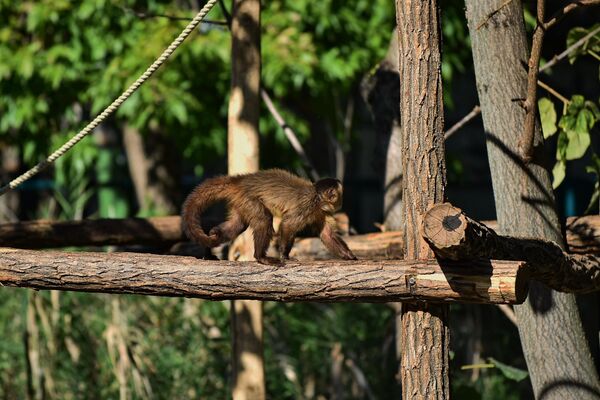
column 380, row 91
column 425, row 333
column 153, row 168
column 9, row 166
column 243, row 156
column 552, row 336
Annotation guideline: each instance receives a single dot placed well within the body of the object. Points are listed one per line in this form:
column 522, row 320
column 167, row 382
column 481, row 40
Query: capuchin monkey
column 255, row 198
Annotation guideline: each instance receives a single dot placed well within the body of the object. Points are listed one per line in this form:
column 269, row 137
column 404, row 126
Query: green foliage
column 456, row 46
column 579, row 115
column 592, row 46
column 512, row 373
column 547, row 116
column 301, row 338
column 575, row 125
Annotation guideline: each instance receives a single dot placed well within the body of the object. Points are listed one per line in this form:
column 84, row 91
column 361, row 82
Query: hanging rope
column 115, row 104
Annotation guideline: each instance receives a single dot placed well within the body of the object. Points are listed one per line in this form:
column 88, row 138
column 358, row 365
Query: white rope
column 115, row 104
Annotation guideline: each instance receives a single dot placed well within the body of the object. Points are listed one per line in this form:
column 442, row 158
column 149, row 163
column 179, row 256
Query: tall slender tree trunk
column 9, row 166
column 243, row 156
column 552, row 336
column 153, row 167
column 425, row 333
column 380, row 92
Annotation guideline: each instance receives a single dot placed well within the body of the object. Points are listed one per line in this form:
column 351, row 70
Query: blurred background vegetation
column 61, row 62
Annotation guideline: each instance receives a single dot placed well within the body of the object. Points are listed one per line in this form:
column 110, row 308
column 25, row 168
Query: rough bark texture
column 325, row 281
column 554, row 344
column 243, row 156
column 454, row 236
column 425, row 333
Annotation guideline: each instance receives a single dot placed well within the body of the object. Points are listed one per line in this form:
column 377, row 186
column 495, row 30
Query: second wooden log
column 452, row 235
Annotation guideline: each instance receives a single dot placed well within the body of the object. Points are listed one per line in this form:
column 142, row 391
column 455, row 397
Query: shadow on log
column 500, row 282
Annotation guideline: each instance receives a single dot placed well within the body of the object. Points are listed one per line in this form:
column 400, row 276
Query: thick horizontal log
column 155, row 231
column 583, row 236
column 324, row 281
column 452, row 235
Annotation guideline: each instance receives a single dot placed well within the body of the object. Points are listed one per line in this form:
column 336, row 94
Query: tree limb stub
column 452, row 235
column 325, row 281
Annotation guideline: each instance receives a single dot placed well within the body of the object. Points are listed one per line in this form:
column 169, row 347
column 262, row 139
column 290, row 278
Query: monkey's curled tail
column 203, row 196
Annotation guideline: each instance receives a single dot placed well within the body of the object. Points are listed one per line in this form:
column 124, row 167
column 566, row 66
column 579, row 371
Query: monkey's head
column 329, row 192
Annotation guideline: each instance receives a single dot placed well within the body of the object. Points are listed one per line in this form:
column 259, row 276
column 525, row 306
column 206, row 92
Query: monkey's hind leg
column 228, row 230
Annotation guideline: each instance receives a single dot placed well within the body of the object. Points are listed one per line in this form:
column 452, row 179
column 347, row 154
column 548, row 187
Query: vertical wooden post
column 425, row 333
column 243, row 156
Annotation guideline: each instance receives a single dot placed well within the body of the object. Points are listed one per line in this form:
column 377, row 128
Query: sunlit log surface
column 323, row 281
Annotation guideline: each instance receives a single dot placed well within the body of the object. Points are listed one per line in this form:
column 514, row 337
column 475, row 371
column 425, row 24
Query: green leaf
column 578, row 144
column 179, row 111
column 558, row 173
column 547, row 117
column 515, row 374
column 567, row 122
column 590, row 105
column 576, row 103
column 585, row 121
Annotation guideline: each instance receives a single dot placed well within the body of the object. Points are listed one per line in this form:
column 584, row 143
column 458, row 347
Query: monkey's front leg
column 334, row 243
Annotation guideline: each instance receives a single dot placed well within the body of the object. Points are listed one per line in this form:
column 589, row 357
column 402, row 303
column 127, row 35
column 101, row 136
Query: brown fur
column 254, row 199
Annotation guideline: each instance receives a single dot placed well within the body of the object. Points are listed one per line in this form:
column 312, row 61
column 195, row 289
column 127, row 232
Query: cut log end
column 444, row 225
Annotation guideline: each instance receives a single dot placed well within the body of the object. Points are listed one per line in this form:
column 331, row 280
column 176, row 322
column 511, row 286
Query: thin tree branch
column 290, row 134
column 553, row 92
column 509, row 313
column 530, row 103
column 569, row 50
column 560, row 14
column 147, row 15
column 226, row 13
column 474, row 112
